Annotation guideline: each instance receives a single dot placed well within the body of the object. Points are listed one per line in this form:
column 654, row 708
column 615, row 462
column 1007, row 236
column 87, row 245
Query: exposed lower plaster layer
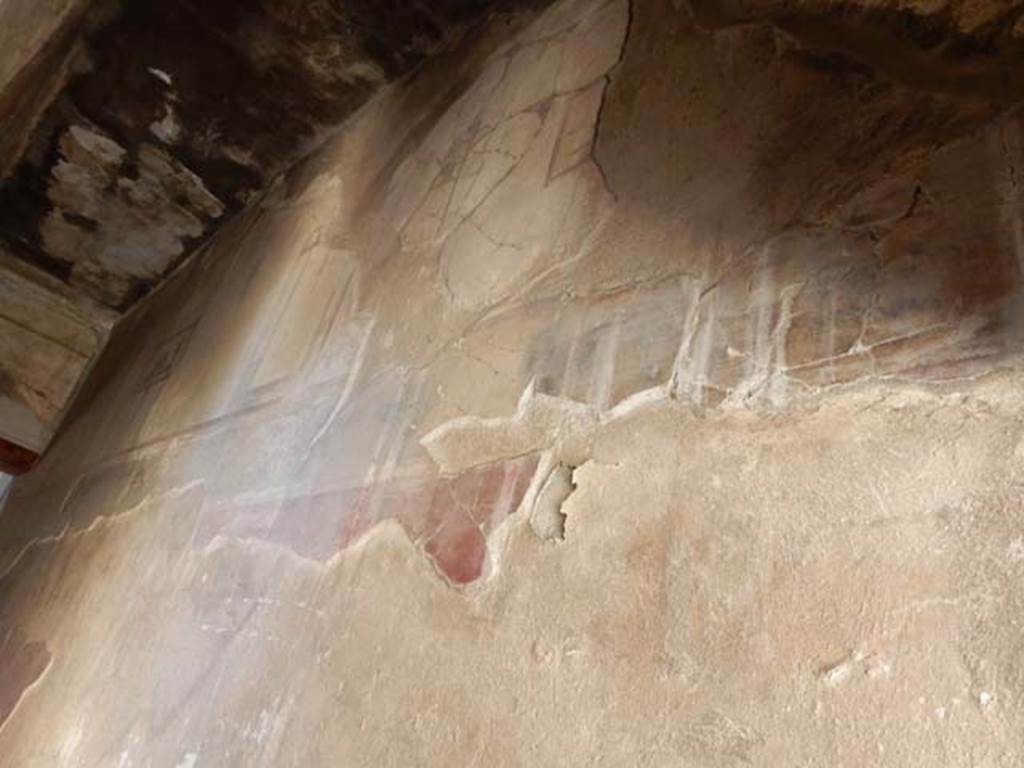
column 23, row 665
column 754, row 293
column 540, row 421
column 547, row 517
column 836, row 587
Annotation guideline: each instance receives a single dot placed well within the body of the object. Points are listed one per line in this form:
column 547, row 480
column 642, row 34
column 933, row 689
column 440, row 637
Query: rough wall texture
column 633, row 387
column 144, row 123
column 129, row 130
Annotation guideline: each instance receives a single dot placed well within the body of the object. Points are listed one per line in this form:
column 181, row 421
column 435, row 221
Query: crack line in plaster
column 599, row 119
column 515, row 298
column 540, row 423
column 345, row 396
column 869, row 40
column 390, row 532
column 29, row 689
column 691, row 325
column 66, row 531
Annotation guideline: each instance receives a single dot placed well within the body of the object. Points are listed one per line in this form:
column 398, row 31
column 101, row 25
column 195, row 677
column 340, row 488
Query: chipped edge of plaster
column 29, row 689
column 67, row 530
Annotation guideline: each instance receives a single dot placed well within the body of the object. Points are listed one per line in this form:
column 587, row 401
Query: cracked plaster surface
column 291, row 520
column 711, row 603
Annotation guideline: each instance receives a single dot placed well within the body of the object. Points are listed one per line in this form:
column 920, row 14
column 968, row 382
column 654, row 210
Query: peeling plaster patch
column 190, row 760
column 655, row 546
column 168, row 129
column 116, row 242
column 97, row 146
column 541, row 422
column 249, row 92
column 547, row 518
column 709, row 566
column 160, row 75
column 364, row 71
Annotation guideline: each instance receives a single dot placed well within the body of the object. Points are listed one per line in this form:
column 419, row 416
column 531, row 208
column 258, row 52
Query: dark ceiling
column 170, row 115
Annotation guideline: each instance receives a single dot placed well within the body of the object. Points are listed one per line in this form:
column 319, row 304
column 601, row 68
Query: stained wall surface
column 138, row 127
column 631, row 386
column 131, row 130
column 48, row 339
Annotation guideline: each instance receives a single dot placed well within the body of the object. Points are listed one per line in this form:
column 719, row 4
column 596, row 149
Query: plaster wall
column 616, row 390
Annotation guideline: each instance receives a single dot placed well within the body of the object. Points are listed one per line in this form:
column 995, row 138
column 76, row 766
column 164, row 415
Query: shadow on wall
column 820, row 233
column 733, row 264
column 196, row 528
column 260, row 341
column 728, row 261
column 5, row 487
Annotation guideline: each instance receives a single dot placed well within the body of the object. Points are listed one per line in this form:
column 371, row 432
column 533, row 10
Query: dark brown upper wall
column 184, row 110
